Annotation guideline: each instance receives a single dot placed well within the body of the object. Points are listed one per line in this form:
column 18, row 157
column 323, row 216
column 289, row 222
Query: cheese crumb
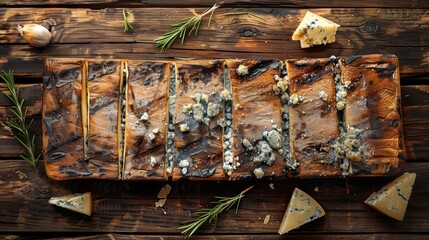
column 323, row 96
column 144, row 117
column 259, row 173
column 242, row 70
column 151, row 136
column 184, row 127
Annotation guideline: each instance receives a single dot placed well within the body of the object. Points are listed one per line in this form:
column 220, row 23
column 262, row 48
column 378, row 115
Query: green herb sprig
column 186, row 26
column 211, row 214
column 127, row 24
column 19, row 123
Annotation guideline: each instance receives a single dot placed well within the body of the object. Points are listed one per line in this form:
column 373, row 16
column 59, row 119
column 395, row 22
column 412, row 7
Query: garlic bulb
column 36, row 35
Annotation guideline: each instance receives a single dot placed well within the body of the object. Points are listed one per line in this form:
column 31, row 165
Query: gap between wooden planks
column 415, row 108
column 130, row 206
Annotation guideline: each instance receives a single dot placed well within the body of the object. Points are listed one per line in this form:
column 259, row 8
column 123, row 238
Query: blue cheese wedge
column 301, row 209
column 392, row 199
column 81, row 202
column 315, row 30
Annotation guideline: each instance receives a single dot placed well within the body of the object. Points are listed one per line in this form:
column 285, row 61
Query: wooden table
column 94, row 29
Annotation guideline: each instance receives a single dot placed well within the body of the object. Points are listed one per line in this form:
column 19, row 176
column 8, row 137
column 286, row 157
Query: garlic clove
column 36, row 35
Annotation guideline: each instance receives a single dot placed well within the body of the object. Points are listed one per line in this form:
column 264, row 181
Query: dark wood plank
column 129, row 206
column 364, row 30
column 415, row 101
column 123, row 236
column 226, row 3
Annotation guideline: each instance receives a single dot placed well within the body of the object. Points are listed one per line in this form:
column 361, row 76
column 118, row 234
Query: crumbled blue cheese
column 247, row 144
column 184, row 127
column 213, row 109
column 259, row 173
column 155, row 130
column 151, row 136
column 273, row 138
column 187, row 108
column 242, row 70
column 153, row 161
column 198, row 112
column 323, row 96
column 265, row 153
column 144, row 117
column 295, row 99
column 225, row 95
column 315, row 30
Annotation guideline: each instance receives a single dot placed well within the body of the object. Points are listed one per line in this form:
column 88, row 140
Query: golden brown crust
column 199, row 149
column 147, row 93
column 373, row 105
column 314, row 120
column 62, row 121
column 104, row 78
column 255, row 109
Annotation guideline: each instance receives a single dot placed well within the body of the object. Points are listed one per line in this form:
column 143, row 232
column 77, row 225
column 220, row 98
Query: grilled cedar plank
column 103, row 87
column 314, row 121
column 62, row 121
column 256, row 109
column 200, row 148
column 373, row 105
column 147, row 93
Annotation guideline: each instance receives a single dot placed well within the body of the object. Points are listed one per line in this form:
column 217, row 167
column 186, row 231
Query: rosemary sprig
column 19, row 123
column 127, row 24
column 186, row 26
column 211, row 214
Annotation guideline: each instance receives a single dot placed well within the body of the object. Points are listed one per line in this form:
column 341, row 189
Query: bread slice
column 256, row 119
column 104, row 79
column 198, row 136
column 62, row 120
column 373, row 108
column 313, row 116
column 147, row 95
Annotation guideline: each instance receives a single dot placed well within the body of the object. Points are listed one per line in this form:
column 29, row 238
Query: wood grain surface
column 126, row 210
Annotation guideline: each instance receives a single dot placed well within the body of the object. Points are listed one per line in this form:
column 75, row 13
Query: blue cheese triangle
column 81, row 202
column 301, row 209
column 392, row 199
column 315, row 30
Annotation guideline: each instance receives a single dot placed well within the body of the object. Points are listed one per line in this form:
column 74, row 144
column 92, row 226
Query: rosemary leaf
column 19, row 122
column 210, row 214
column 180, row 29
column 127, row 24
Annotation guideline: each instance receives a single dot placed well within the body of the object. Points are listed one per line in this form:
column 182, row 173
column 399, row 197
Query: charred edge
column 261, row 67
column 228, row 163
column 122, row 118
column 351, row 59
column 169, row 157
column 290, row 166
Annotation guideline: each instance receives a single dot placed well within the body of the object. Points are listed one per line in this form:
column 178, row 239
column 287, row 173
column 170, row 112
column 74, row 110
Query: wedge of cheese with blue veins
column 147, row 106
column 392, row 199
column 81, row 202
column 315, row 30
column 301, row 209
